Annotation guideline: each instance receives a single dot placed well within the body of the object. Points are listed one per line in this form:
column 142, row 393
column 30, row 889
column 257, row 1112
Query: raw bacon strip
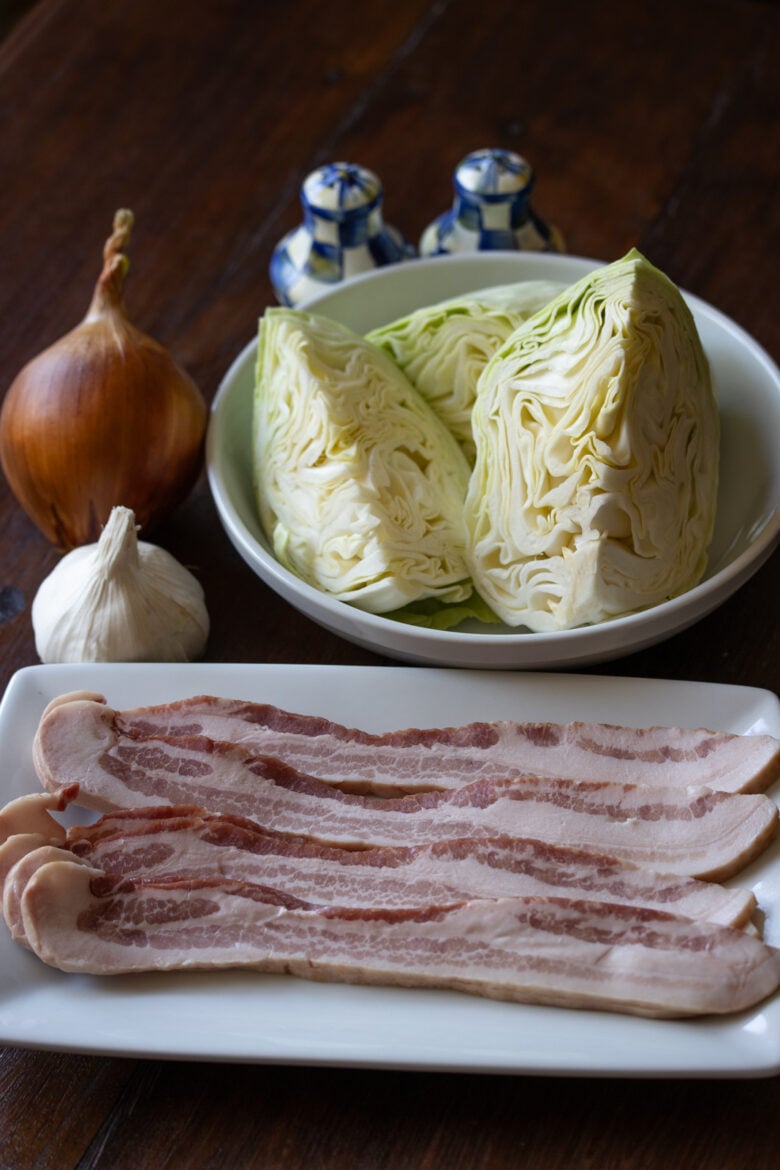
column 553, row 951
column 17, row 847
column 688, row 831
column 30, row 814
column 182, row 842
column 414, row 759
column 29, row 857
column 25, row 826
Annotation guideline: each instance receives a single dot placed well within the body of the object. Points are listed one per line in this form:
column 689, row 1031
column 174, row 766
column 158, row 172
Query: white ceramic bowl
column 748, row 517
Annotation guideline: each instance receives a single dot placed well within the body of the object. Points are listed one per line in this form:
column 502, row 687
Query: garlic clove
column 120, row 600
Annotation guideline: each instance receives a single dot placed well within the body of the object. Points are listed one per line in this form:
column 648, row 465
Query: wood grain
column 652, row 124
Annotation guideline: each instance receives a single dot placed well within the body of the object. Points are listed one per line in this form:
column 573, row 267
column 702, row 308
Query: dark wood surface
column 652, row 124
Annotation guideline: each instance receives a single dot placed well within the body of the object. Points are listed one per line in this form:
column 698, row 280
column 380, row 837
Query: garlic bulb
column 120, row 600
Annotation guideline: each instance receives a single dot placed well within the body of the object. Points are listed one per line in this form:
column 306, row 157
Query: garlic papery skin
column 120, row 600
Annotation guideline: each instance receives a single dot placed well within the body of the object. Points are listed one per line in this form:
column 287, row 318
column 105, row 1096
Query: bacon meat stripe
column 558, row 951
column 414, row 759
column 186, row 842
column 689, row 831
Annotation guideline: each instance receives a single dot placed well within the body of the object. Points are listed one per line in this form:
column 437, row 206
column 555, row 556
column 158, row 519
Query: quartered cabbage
column 444, row 348
column 360, row 487
column 596, row 429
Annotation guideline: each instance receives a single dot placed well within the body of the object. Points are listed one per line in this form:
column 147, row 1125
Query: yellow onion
column 104, row 417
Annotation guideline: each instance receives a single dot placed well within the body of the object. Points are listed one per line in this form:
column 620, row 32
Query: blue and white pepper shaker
column 491, row 209
column 343, row 233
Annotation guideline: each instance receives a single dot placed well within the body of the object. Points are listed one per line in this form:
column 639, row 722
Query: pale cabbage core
column 596, row 431
column 360, row 487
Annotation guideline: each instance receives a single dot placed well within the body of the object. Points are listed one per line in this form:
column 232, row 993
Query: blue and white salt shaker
column 343, row 233
column 491, row 209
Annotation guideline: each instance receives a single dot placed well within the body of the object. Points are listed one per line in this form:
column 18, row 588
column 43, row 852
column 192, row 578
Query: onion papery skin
column 103, row 417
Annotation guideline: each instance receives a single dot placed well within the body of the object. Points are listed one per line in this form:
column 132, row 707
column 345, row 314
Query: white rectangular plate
column 240, row 1016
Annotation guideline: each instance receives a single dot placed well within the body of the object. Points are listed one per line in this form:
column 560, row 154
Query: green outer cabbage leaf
column 437, row 615
column 444, row 348
column 597, row 433
column 359, row 486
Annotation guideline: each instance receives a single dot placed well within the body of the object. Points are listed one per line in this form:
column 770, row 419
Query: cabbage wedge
column 597, row 433
column 444, row 348
column 359, row 486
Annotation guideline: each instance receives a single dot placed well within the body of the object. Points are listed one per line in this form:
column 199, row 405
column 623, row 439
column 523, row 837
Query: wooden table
column 652, row 124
